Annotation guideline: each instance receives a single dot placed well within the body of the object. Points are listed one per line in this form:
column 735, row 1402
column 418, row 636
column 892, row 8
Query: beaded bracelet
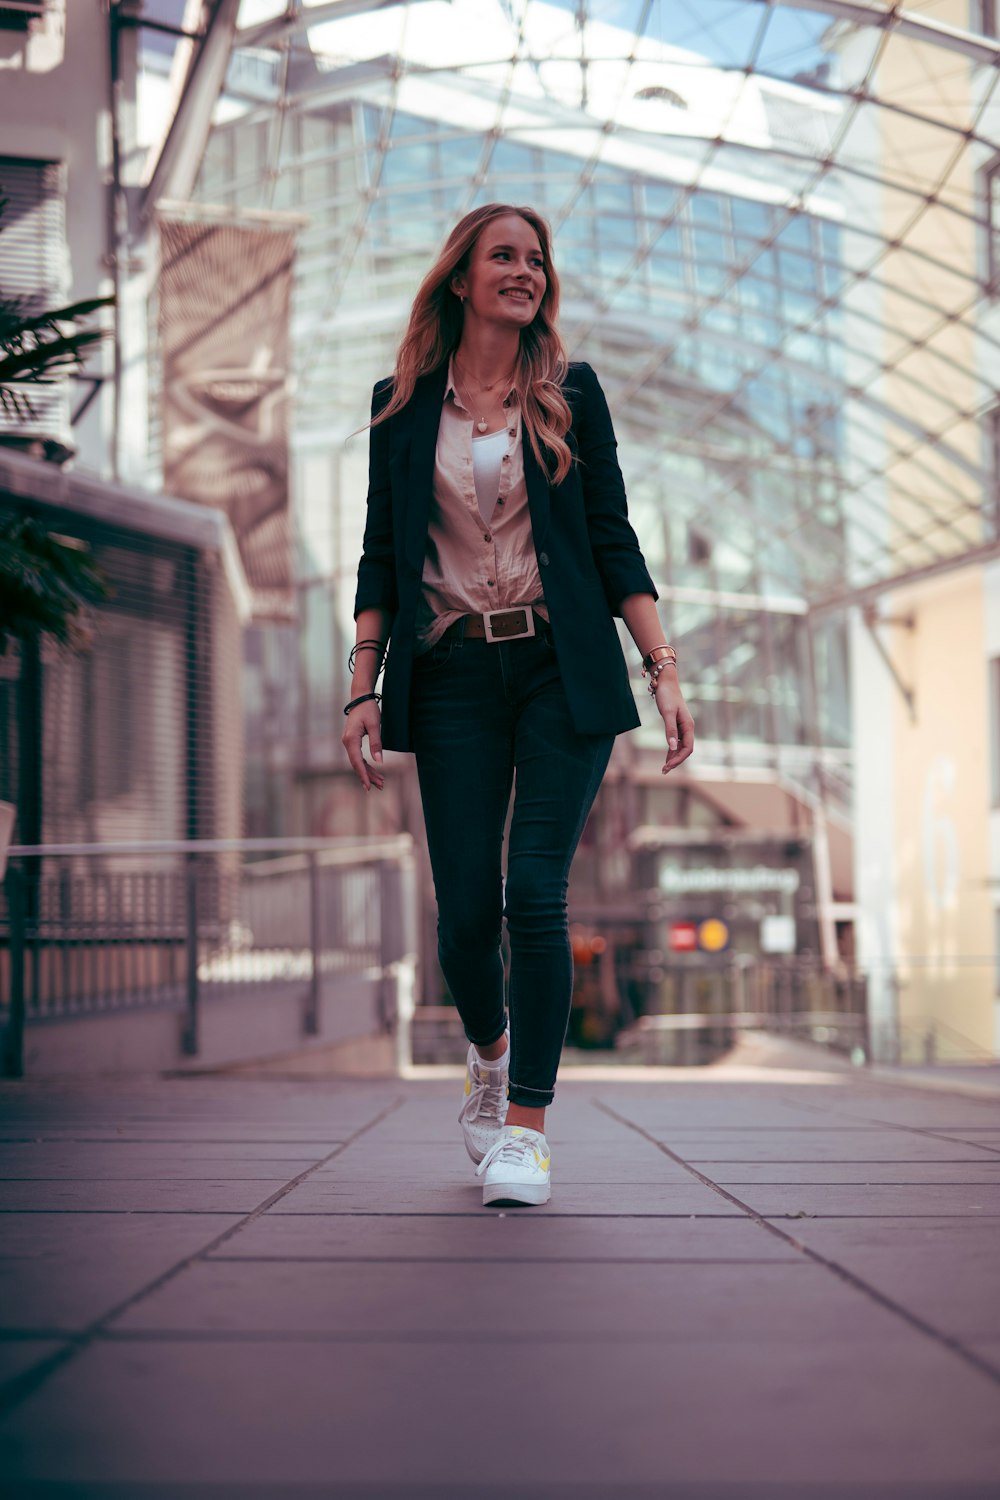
column 654, row 675
column 365, row 698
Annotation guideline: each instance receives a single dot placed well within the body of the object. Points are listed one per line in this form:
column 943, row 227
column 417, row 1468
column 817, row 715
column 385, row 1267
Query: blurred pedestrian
column 497, row 552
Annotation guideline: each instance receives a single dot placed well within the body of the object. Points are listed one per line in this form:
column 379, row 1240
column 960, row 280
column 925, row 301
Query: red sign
column 682, row 937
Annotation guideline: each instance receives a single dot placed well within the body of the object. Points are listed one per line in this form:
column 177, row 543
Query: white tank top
column 487, row 457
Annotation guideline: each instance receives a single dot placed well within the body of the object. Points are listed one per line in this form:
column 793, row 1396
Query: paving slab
column 498, row 1301
column 64, row 1275
column 953, row 1281
column 901, row 1174
column 761, row 1286
column 611, row 1411
column 835, row 1144
column 460, row 1193
column 18, row 1355
column 877, row 1200
column 445, row 1238
column 167, row 1195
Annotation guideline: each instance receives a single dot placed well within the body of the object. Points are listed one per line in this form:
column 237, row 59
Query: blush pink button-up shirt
column 472, row 566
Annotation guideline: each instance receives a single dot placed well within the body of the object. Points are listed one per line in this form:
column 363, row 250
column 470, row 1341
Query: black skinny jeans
column 486, row 716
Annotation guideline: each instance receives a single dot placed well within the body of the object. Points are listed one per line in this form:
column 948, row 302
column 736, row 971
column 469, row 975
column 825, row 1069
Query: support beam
column 871, row 619
column 180, row 157
column 979, row 49
column 271, row 33
column 868, row 593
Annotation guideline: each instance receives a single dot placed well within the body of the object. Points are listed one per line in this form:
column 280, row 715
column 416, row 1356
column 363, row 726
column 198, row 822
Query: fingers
column 680, row 739
column 673, row 738
column 361, row 721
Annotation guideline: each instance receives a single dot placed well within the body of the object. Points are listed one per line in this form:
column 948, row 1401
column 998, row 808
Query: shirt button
column 489, row 583
column 543, row 558
column 506, row 457
column 487, row 537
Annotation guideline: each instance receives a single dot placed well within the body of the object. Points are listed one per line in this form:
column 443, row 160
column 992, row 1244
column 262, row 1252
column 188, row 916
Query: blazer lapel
column 424, row 409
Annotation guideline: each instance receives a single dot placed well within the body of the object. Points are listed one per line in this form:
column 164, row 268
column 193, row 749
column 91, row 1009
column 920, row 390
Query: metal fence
column 86, row 929
column 706, row 1007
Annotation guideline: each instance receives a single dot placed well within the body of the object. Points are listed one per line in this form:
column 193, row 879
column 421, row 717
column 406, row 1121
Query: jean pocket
column 436, row 658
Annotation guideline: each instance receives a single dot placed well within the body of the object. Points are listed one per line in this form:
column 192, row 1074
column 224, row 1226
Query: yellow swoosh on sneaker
column 543, row 1161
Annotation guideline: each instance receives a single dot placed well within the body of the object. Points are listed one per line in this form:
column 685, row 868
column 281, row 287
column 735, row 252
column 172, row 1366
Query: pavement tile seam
column 211, row 1213
column 660, row 1489
column 955, row 1346
column 23, row 1385
column 930, row 1132
column 479, row 1214
column 505, row 1260
column 167, row 1140
column 471, row 1338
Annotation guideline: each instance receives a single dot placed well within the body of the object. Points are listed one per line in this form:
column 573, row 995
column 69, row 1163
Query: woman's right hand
column 366, row 719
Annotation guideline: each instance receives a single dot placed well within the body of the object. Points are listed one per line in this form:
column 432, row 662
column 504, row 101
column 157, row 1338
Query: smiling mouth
column 517, row 293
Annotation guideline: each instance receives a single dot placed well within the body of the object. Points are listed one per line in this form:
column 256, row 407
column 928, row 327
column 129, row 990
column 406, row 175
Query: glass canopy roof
column 772, row 226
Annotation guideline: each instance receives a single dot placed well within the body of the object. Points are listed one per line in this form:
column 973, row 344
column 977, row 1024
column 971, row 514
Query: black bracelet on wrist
column 365, row 698
column 367, row 645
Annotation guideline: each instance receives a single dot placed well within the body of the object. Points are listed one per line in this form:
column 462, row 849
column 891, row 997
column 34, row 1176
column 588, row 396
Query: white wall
column 55, row 98
column 991, row 592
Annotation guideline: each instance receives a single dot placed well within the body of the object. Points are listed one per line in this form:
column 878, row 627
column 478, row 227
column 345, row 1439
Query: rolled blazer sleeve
column 614, row 544
column 377, row 585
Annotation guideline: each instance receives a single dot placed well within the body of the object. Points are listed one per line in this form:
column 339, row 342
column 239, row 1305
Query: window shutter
column 33, row 270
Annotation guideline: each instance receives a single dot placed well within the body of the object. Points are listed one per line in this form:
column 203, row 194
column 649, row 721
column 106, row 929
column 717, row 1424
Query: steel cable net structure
column 773, row 228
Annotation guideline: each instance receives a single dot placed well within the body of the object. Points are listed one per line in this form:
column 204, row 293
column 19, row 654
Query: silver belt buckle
column 508, row 632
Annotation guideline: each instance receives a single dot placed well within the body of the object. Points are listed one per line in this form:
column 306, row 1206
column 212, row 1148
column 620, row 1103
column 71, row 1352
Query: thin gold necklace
column 481, row 424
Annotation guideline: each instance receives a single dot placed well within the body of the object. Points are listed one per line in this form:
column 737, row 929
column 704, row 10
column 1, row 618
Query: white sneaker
column 517, row 1167
column 484, row 1107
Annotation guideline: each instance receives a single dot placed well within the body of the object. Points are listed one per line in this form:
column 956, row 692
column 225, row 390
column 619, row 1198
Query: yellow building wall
column 941, row 757
column 941, row 773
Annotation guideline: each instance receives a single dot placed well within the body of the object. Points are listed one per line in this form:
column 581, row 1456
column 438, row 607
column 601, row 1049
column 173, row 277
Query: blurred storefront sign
column 682, row 937
column 713, row 935
column 224, row 301
column 677, row 881
column 777, row 934
column 739, row 895
column 708, row 936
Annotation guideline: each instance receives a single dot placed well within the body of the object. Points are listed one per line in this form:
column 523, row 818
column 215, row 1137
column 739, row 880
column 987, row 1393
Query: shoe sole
column 526, row 1195
column 476, row 1156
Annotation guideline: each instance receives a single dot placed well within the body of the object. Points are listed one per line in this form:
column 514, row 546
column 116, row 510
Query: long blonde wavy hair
column 435, row 329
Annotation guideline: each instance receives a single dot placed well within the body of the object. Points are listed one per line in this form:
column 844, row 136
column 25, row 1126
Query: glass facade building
column 775, row 228
column 693, row 291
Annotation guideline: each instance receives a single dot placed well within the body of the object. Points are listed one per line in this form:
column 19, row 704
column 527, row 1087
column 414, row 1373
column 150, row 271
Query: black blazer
column 588, row 556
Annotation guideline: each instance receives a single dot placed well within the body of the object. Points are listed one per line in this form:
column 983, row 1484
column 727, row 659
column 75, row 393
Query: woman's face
column 505, row 279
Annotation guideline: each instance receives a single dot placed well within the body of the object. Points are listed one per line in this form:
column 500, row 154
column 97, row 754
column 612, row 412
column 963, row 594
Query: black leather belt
column 498, row 625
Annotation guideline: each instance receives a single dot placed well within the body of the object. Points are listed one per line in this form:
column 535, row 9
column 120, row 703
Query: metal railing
column 86, row 929
column 925, row 1041
column 706, row 1007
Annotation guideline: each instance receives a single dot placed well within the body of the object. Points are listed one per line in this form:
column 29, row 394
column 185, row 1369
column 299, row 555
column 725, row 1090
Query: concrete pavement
column 774, row 1277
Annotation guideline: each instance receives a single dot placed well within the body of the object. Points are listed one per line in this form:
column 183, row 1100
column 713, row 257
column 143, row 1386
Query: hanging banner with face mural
column 224, row 304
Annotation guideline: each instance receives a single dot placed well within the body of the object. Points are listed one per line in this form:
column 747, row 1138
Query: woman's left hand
column 677, row 720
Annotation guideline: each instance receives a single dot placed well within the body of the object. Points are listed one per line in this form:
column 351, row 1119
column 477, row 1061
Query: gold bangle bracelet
column 668, row 657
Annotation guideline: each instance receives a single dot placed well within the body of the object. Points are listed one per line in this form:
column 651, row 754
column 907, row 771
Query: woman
column 497, row 550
